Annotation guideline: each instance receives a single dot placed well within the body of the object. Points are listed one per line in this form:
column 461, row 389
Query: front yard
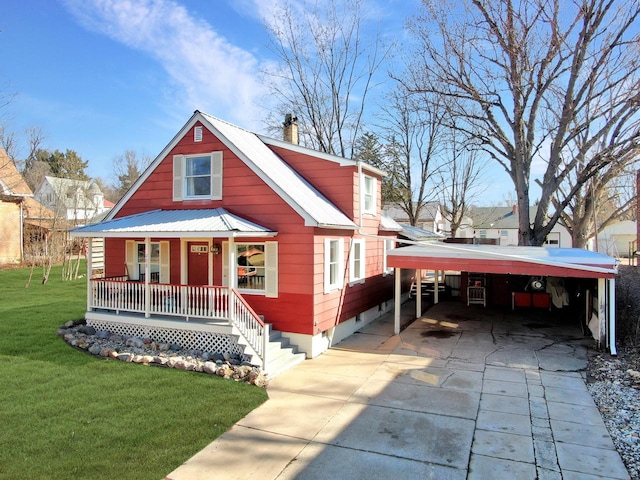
column 67, row 414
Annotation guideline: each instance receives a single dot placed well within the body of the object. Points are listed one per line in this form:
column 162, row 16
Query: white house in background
column 614, row 240
column 430, row 218
column 502, row 223
column 75, row 200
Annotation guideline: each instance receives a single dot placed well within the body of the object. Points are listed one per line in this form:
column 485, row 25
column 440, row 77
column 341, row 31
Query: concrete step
column 281, row 354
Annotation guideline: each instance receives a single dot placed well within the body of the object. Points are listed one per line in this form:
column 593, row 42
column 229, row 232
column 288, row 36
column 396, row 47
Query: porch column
column 396, row 301
column 611, row 284
column 147, row 276
column 89, row 259
column 436, row 285
column 418, row 293
column 231, row 260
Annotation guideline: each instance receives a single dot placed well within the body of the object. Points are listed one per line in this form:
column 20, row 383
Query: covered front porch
column 159, row 279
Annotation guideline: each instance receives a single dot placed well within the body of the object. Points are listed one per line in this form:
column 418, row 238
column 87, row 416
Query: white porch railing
column 183, row 301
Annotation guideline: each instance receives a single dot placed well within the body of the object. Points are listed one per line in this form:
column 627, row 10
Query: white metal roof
column 206, row 223
column 504, row 259
column 284, row 180
column 311, row 205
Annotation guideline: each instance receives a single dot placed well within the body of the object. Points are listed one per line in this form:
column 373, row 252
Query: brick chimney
column 290, row 128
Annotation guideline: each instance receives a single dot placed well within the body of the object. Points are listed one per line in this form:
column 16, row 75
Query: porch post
column 89, row 273
column 436, row 286
column 396, row 306
column 147, row 275
column 418, row 293
column 233, row 270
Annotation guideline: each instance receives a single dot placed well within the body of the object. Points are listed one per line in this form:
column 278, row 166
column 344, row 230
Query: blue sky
column 104, row 76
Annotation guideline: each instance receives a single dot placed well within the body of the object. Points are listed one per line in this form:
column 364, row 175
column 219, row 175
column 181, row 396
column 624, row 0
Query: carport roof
column 534, row 261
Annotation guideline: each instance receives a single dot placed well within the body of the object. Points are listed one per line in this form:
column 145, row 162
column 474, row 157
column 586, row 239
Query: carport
column 535, row 262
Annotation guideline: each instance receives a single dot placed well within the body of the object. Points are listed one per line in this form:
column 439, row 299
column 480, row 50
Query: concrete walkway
column 461, row 393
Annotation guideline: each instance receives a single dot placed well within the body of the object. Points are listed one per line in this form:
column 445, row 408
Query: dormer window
column 197, row 134
column 369, row 195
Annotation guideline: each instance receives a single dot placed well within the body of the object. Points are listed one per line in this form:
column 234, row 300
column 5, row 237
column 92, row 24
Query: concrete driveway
column 461, row 393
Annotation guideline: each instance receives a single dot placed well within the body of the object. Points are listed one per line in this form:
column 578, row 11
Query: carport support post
column 436, row 286
column 611, row 284
column 396, row 303
column 418, row 293
column 602, row 312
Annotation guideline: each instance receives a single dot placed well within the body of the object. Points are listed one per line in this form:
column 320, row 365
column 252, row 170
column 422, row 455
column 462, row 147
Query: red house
column 229, row 236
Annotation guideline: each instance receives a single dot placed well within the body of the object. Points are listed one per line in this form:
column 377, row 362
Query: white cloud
column 210, row 73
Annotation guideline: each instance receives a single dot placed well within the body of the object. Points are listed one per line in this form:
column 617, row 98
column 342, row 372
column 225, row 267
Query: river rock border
column 146, row 351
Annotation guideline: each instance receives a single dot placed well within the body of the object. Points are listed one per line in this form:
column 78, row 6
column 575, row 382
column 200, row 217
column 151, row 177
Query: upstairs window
column 197, row 177
column 369, row 195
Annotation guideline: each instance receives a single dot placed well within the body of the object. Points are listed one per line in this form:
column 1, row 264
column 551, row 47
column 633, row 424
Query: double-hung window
column 158, row 261
column 357, row 261
column 389, row 244
column 197, row 177
column 333, row 264
column 250, row 260
column 369, row 195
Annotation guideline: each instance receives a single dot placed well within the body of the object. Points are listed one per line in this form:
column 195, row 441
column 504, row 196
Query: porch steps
column 281, row 354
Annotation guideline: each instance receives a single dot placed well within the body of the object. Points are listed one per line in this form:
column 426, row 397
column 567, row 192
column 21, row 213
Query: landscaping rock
column 147, row 351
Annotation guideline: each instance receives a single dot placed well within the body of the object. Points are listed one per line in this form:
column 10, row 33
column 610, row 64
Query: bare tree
column 127, row 168
column 325, row 70
column 526, row 77
column 460, row 178
column 607, row 198
column 414, row 129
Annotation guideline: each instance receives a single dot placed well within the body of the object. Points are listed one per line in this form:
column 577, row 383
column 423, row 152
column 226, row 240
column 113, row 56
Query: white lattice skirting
column 187, row 339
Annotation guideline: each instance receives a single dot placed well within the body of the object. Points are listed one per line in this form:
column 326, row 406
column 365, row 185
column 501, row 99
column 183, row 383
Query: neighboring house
column 430, row 217
column 77, row 201
column 501, row 223
column 231, row 226
column 13, row 193
column 616, row 239
column 25, row 224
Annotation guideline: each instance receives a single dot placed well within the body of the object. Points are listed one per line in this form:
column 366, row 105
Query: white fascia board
column 162, row 234
column 153, row 165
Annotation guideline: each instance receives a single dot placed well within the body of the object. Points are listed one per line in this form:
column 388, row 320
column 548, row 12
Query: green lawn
column 66, row 414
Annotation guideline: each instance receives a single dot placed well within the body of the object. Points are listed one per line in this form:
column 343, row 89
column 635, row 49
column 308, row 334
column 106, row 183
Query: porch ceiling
column 534, row 261
column 203, row 223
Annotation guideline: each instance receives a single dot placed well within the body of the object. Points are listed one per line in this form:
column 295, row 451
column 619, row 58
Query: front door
column 198, row 263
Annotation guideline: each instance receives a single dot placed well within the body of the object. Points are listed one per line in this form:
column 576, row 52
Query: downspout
column 361, row 197
column 22, row 230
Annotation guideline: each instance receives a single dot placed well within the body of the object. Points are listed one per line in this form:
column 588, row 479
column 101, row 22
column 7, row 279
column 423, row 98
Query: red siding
column 301, row 299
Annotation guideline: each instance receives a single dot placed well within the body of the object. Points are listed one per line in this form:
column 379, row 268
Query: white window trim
column 339, row 283
column 356, row 277
column 270, row 268
column 180, row 179
column 388, row 245
column 373, row 194
column 197, row 133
